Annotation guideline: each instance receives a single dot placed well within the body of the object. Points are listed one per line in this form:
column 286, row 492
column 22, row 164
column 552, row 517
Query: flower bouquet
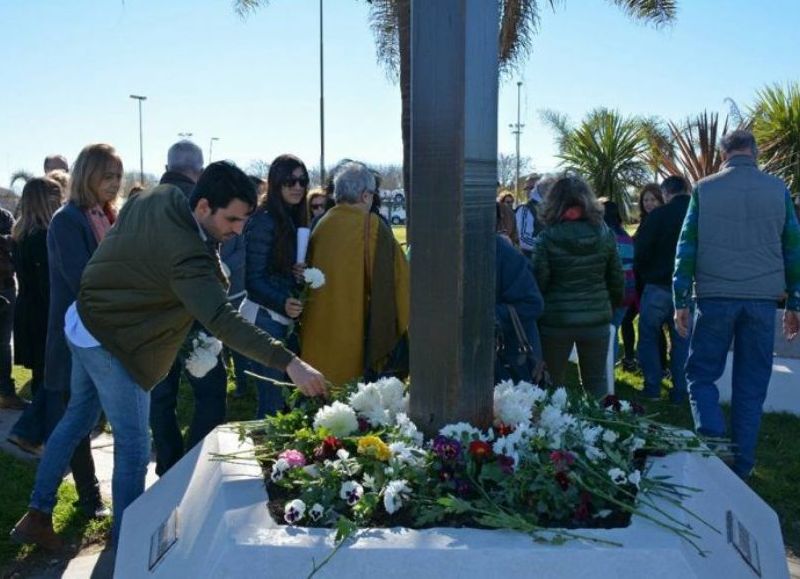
column 552, row 464
column 201, row 353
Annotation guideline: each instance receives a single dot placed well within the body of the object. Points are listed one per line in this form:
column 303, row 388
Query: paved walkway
column 94, row 562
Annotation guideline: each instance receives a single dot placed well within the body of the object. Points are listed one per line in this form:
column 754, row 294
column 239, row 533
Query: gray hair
column 738, row 140
column 185, row 156
column 351, row 180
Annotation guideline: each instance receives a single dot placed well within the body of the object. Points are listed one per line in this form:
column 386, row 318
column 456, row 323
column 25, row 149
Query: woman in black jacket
column 271, row 274
column 41, row 197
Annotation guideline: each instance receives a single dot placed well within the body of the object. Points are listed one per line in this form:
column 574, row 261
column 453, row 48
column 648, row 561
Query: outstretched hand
column 307, row 379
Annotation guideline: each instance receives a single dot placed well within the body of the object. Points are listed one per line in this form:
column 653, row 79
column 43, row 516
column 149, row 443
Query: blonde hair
column 88, row 168
column 41, row 197
column 570, row 191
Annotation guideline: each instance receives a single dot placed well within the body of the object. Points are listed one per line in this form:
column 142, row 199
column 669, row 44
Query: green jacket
column 150, row 278
column 579, row 273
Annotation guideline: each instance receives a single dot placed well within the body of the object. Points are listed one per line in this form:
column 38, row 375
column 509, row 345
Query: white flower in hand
column 314, row 277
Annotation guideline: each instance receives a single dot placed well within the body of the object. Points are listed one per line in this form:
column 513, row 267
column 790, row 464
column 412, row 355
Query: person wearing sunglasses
column 318, row 205
column 271, row 274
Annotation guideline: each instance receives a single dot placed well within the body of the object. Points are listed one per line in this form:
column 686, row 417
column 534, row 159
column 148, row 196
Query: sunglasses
column 315, row 206
column 292, row 181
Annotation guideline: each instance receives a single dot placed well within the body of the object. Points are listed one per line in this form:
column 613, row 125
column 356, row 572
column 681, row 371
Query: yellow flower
column 374, row 447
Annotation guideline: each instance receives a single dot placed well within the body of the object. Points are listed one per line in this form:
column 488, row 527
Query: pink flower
column 295, row 458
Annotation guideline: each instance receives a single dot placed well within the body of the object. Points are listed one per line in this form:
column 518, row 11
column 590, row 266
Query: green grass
column 774, row 479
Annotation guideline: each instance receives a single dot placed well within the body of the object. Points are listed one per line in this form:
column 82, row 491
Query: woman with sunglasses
column 271, row 274
column 318, row 205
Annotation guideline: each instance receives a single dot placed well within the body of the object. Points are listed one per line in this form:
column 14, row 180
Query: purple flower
column 446, row 448
column 462, row 487
column 506, row 463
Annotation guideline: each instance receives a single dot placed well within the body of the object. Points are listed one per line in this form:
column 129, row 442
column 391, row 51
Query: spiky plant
column 776, row 126
column 607, row 149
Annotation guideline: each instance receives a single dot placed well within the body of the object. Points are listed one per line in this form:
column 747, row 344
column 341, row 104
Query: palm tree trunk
column 404, row 36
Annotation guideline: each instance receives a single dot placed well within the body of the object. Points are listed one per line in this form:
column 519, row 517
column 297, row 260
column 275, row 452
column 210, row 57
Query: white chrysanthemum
column 338, row 418
column 394, row 494
column 294, row 511
column 278, row 469
column 617, row 476
column 314, row 277
column 408, row 429
column 635, row 478
column 594, row 454
column 381, row 401
column 461, row 431
column 610, row 436
column 405, row 454
column 351, row 492
column 393, row 395
column 559, row 398
column 513, row 404
column 316, row 512
column 591, row 434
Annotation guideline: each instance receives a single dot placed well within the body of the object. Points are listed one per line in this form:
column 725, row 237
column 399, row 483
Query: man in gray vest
column 740, row 245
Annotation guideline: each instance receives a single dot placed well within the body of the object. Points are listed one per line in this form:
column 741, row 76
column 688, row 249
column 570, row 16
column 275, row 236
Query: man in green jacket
column 156, row 272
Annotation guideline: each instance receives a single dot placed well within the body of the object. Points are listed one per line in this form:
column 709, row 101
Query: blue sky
column 69, row 67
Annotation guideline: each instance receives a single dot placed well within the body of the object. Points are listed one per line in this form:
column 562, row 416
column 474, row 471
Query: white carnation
column 204, row 355
column 594, row 454
column 513, row 403
column 610, row 436
column 461, row 431
column 338, row 418
column 408, row 429
column 380, row 402
column 635, row 478
column 394, row 494
column 314, row 277
column 559, row 398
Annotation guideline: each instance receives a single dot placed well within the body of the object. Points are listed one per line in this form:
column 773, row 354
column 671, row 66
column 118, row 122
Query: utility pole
column 516, row 130
column 185, row 135
column 211, row 147
column 321, row 105
column 140, row 98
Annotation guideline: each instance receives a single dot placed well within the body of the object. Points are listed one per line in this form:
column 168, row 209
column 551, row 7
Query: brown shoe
column 12, row 402
column 26, row 445
column 36, row 528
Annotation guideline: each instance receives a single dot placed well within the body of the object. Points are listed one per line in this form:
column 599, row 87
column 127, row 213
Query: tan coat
column 332, row 330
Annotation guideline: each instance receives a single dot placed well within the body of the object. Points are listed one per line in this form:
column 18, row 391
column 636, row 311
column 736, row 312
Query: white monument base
column 783, row 394
column 214, row 516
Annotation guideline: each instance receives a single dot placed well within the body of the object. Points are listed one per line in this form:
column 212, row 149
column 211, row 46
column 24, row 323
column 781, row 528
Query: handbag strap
column 367, row 268
column 519, row 330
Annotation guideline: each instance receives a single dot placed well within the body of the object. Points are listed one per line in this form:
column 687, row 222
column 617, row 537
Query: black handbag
column 520, row 362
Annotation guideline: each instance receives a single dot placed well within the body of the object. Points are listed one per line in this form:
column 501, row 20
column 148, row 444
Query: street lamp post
column 516, row 130
column 211, row 147
column 321, row 106
column 140, row 98
column 185, row 135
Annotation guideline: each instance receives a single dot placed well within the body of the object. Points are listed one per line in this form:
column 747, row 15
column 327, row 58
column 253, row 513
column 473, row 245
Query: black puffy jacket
column 579, row 274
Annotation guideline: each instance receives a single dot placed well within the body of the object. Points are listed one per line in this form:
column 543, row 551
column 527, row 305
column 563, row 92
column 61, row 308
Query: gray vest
column 742, row 213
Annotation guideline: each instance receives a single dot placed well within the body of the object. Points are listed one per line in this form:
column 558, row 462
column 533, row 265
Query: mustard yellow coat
column 332, row 329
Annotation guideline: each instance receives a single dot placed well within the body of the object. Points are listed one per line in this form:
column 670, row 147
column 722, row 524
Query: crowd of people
column 107, row 299
column 731, row 238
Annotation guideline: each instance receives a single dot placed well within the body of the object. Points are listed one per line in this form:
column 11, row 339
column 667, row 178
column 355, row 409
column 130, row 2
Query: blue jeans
column 210, row 405
column 270, row 396
column 7, row 387
column 32, row 424
column 656, row 310
column 751, row 326
column 99, row 381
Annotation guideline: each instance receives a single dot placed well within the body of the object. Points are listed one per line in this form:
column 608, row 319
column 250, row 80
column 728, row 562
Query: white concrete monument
column 209, row 519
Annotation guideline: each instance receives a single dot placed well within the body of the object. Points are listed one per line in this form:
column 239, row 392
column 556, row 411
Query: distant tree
column 391, row 175
column 507, row 169
column 258, row 167
column 20, row 175
column 131, row 178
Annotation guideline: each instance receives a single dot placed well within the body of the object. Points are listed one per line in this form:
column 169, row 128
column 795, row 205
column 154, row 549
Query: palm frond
column 384, row 20
column 246, row 7
column 519, row 24
column 21, row 175
column 776, row 126
column 656, row 12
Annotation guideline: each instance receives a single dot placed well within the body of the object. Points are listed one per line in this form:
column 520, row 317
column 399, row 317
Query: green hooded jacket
column 579, row 274
column 150, row 278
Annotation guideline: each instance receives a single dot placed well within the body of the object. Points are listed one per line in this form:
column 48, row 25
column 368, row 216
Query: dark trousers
column 629, row 338
column 31, row 425
column 209, row 412
column 7, row 387
column 82, row 463
column 592, row 345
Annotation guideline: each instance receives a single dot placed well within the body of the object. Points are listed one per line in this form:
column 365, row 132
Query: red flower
column 328, row 448
column 506, row 464
column 562, row 459
column 563, row 480
column 504, row 429
column 480, row 449
column 611, row 401
column 583, row 511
